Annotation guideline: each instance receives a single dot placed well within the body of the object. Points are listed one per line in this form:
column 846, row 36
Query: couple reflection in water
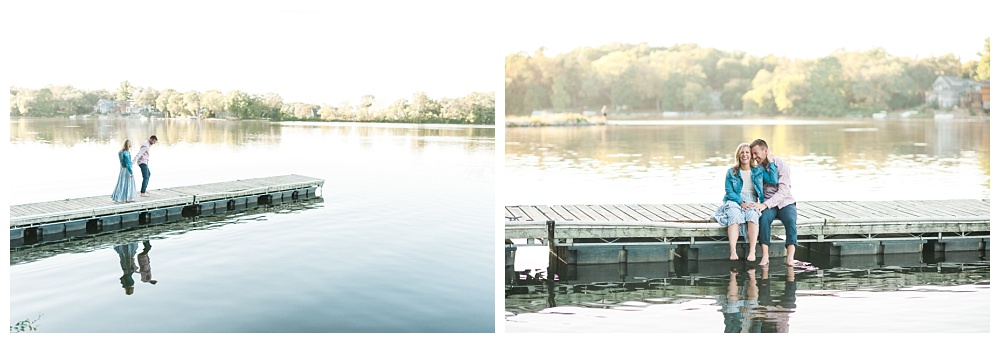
column 749, row 304
column 127, row 258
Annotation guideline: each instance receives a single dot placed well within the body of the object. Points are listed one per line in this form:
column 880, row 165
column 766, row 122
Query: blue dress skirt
column 125, row 188
column 730, row 212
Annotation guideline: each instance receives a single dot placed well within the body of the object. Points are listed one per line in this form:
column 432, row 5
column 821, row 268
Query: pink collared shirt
column 779, row 195
column 142, row 157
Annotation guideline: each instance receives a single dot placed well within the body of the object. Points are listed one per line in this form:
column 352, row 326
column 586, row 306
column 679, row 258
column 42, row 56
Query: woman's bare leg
column 734, row 232
column 752, row 231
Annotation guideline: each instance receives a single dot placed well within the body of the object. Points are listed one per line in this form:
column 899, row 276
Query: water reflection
column 832, row 159
column 750, row 298
column 69, row 132
column 127, row 260
column 147, row 233
column 674, row 146
column 126, row 257
column 145, row 271
column 749, row 304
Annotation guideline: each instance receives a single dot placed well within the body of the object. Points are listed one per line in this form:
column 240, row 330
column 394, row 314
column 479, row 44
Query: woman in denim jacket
column 744, row 186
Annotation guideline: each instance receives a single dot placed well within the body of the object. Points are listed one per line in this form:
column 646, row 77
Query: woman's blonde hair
column 736, row 157
column 126, row 145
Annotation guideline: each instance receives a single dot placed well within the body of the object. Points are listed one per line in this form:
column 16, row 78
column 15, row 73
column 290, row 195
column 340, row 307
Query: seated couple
column 758, row 189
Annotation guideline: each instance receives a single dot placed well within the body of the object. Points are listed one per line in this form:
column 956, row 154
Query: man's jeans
column 787, row 215
column 145, row 176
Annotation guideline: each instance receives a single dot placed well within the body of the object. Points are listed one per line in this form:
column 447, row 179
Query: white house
column 951, row 91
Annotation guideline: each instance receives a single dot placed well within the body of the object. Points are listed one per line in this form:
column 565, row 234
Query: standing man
column 142, row 159
column 778, row 202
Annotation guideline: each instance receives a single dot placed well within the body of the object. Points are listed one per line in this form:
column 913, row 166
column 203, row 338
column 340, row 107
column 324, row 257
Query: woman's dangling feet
column 752, row 256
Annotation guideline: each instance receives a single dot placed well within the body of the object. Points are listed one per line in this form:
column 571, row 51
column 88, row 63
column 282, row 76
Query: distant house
column 107, row 106
column 985, row 93
column 950, row 91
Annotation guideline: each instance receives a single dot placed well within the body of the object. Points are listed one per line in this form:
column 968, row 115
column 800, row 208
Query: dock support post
column 623, row 255
column 551, row 228
column 95, row 226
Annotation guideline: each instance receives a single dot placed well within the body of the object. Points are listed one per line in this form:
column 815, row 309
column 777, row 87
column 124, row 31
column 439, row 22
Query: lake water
column 402, row 240
column 683, row 161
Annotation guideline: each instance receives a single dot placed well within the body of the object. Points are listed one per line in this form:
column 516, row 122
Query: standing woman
column 125, row 188
column 744, row 186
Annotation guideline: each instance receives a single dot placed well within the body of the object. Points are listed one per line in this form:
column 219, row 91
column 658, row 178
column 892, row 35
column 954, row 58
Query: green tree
column 516, row 78
column 163, row 101
column 825, row 89
column 44, row 103
column 213, row 102
column 760, row 98
column 983, row 68
column 146, row 96
column 125, row 91
column 191, row 103
column 732, row 93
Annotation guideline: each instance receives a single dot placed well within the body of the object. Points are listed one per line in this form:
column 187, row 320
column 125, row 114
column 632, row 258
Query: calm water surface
column 401, row 241
column 683, row 161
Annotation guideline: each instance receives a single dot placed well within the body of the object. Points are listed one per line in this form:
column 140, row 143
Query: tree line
column 687, row 77
column 64, row 101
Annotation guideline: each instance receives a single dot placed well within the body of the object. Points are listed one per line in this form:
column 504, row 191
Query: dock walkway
column 30, row 223
column 818, row 221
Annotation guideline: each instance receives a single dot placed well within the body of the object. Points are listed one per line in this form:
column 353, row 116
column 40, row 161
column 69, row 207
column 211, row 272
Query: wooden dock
column 60, row 219
column 869, row 222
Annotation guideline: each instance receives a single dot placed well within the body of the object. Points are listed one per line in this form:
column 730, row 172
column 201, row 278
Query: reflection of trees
column 236, row 133
column 848, row 145
column 72, row 131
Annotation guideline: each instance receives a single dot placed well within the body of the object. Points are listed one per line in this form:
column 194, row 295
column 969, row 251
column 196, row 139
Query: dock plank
column 590, row 212
column 580, row 215
column 534, row 214
column 611, row 217
column 671, row 214
column 613, row 209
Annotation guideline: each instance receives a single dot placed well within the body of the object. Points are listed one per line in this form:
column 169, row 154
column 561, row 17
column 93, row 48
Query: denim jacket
column 125, row 160
column 758, row 175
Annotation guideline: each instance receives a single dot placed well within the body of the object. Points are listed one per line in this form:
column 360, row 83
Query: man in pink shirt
column 778, row 202
column 142, row 159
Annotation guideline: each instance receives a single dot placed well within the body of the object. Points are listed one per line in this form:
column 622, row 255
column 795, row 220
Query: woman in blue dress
column 744, row 187
column 125, row 188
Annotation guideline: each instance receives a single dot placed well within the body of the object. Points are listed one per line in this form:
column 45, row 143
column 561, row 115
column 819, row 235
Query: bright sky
column 318, row 52
column 305, row 51
column 796, row 29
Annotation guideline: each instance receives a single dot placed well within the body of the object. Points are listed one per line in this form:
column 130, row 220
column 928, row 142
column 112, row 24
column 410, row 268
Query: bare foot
column 764, row 261
column 733, row 256
column 790, row 262
column 143, row 194
column 752, row 256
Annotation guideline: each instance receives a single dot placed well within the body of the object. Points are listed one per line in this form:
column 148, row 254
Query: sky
column 330, row 52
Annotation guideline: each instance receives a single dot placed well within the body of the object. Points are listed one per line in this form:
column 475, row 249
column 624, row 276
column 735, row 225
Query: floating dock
column 684, row 230
column 65, row 219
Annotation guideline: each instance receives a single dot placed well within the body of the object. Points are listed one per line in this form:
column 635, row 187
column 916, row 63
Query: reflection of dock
column 65, row 219
column 618, row 284
column 684, row 230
